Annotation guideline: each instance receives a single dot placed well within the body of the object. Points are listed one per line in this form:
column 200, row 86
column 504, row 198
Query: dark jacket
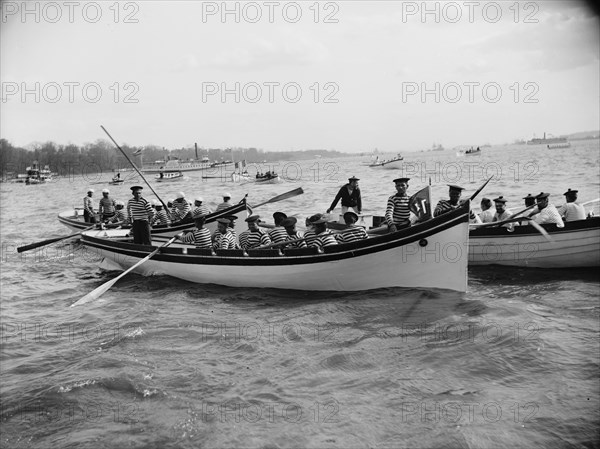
column 348, row 200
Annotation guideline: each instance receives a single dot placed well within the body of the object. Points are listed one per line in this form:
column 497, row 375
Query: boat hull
column 430, row 255
column 273, row 180
column 577, row 245
column 388, row 165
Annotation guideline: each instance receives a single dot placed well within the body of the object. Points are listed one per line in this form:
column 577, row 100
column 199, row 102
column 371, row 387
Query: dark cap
column 570, row 192
column 401, row 180
column 542, row 195
column 252, row 218
column 500, row 199
column 231, row 217
column 315, row 218
column 289, row 222
column 529, row 197
column 199, row 216
column 279, row 214
column 134, row 188
column 455, row 187
column 351, row 214
column 324, row 219
column 354, row 178
column 224, row 221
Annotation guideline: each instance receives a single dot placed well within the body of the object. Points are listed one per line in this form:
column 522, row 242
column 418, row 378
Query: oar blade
column 95, row 294
column 283, row 196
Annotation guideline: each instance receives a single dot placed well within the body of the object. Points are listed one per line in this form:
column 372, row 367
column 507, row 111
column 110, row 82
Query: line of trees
column 102, row 156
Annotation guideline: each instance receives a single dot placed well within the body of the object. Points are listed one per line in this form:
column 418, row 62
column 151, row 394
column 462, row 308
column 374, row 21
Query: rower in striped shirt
column 199, row 208
column 443, row 206
column 397, row 212
column 354, row 232
column 278, row 233
column 310, row 235
column 160, row 217
column 226, row 239
column 199, row 236
column 289, row 224
column 181, row 208
column 546, row 213
column 120, row 216
column 324, row 236
column 225, row 204
column 253, row 237
column 140, row 213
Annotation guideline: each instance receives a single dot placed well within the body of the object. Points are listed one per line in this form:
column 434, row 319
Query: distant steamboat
column 546, row 140
column 177, row 165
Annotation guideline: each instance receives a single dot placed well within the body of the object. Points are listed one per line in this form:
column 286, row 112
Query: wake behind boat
column 432, row 254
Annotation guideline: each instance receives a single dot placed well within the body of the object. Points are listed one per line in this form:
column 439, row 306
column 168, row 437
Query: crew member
column 225, row 239
column 502, row 213
column 289, row 224
column 106, row 207
column 181, row 209
column 323, row 236
column 199, row 236
column 140, row 213
column 353, row 232
column 225, row 204
column 487, row 214
column 454, row 193
column 89, row 215
column 254, row 236
column 397, row 212
column 160, row 217
column 199, row 208
column 547, row 211
column 278, row 233
column 120, row 216
column 571, row 210
column 350, row 196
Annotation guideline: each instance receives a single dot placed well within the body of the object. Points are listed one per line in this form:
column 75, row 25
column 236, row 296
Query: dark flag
column 420, row 204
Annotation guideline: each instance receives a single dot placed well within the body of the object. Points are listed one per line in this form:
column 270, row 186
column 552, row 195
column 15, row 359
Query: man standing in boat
column 107, row 205
column 350, row 196
column 140, row 213
column 397, row 211
column 225, row 204
column 571, row 210
column 89, row 215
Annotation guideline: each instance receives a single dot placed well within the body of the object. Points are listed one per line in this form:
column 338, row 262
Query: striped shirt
column 200, row 210
column 139, row 209
column 444, row 206
column 87, row 204
column 225, row 241
column 278, row 234
column 119, row 216
column 199, row 237
column 572, row 211
column 295, row 236
column 180, row 209
column 106, row 205
column 549, row 214
column 160, row 218
column 223, row 206
column 352, row 234
column 254, row 239
column 217, row 236
column 309, row 237
column 397, row 210
column 325, row 238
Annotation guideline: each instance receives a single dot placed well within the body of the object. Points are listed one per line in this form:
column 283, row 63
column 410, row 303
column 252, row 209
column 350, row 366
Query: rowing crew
column 282, row 234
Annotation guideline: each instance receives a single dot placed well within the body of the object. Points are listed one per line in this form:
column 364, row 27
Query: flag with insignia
column 420, row 204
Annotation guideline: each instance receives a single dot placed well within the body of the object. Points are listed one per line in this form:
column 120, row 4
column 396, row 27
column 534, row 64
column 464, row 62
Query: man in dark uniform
column 140, row 213
column 350, row 196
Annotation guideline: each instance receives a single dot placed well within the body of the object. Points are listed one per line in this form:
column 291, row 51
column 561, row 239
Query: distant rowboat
column 169, row 176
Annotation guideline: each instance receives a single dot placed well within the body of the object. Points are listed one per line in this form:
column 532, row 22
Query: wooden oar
column 590, row 202
column 283, row 196
column 95, row 294
column 20, row 249
column 480, row 189
column 136, row 169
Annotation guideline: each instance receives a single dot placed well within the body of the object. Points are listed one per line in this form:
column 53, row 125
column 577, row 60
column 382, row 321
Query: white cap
column 120, row 203
column 105, row 191
column 90, row 190
column 180, row 195
column 199, row 199
column 227, row 195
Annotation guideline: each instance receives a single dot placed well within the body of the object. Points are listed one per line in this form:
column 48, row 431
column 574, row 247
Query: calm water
column 158, row 362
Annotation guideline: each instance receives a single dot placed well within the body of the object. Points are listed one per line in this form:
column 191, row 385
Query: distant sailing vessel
column 546, row 140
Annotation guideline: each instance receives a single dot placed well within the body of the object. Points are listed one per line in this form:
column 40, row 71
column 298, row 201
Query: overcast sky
column 350, row 76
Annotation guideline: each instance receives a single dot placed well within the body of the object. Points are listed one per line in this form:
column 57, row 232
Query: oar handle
column 480, row 189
